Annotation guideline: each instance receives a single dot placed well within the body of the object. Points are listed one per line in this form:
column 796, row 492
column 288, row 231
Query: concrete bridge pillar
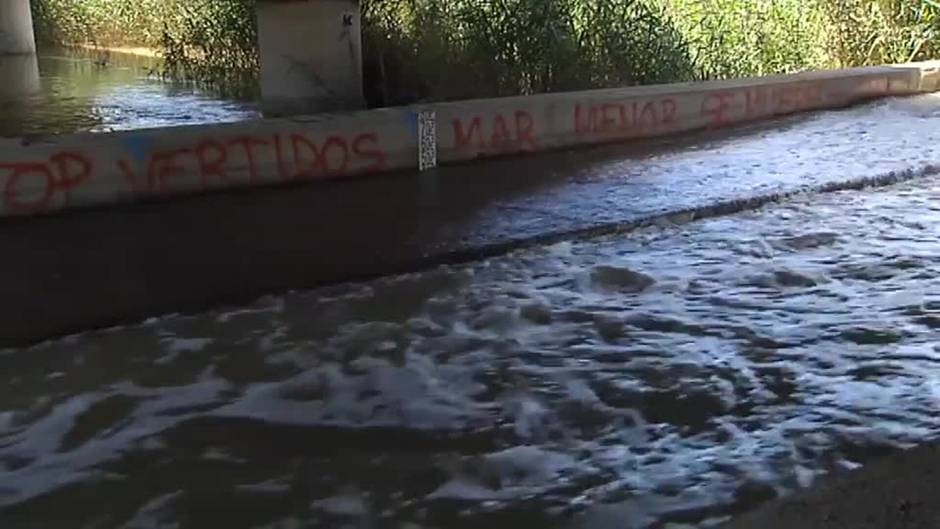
column 19, row 75
column 311, row 56
column 16, row 28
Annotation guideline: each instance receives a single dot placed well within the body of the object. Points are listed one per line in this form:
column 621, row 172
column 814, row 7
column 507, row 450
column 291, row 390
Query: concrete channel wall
column 61, row 172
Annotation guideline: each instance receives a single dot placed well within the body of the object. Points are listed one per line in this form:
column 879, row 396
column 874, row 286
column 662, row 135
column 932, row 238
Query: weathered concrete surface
column 55, row 173
column 311, row 56
column 16, row 29
column 19, row 74
column 898, row 492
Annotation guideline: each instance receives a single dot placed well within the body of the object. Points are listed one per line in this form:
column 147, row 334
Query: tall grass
column 418, row 50
column 208, row 41
column 456, row 49
column 737, row 38
column 212, row 41
column 884, row 31
column 100, row 22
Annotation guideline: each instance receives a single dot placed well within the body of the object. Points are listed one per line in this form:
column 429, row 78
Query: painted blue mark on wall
column 139, row 145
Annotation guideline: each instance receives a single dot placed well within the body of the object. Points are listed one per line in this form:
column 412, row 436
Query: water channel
column 678, row 374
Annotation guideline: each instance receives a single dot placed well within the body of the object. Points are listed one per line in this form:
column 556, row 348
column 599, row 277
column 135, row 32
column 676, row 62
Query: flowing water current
column 681, row 373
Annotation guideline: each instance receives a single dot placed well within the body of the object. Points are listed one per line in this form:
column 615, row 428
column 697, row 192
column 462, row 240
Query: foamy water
column 676, row 374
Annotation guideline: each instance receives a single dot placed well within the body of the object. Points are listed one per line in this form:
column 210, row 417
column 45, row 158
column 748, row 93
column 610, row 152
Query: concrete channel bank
column 41, row 175
column 74, row 271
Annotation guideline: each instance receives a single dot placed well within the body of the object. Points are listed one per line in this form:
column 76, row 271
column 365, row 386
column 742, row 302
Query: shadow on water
column 65, row 91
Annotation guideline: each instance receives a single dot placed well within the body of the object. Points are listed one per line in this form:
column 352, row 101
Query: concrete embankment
column 71, row 272
column 40, row 175
column 67, row 273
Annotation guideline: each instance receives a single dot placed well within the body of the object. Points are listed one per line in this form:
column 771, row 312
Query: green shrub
column 212, row 42
column 101, row 22
column 207, row 41
column 456, row 49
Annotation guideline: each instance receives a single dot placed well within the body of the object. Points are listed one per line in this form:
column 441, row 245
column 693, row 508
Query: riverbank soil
column 898, row 492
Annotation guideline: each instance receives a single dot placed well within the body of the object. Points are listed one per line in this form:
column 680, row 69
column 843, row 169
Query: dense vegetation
column 452, row 49
column 209, row 41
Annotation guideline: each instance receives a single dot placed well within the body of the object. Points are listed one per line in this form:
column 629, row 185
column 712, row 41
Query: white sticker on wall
column 427, row 140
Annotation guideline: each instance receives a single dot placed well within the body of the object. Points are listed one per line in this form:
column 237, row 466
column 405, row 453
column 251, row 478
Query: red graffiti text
column 248, row 159
column 34, row 186
column 723, row 107
column 634, row 119
column 500, row 133
column 768, row 101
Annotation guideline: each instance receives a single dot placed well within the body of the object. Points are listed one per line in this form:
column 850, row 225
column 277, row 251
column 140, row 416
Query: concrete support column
column 311, row 56
column 19, row 75
column 16, row 28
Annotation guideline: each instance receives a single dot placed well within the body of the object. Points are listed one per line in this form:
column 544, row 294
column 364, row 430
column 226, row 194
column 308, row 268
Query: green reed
column 424, row 50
